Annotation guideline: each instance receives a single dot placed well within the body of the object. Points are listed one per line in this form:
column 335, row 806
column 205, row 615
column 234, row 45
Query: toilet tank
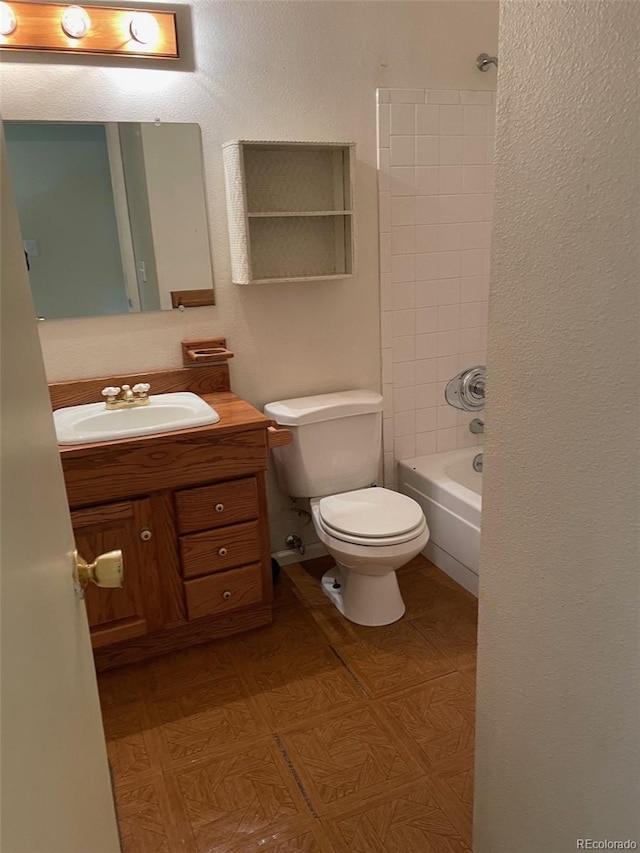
column 336, row 442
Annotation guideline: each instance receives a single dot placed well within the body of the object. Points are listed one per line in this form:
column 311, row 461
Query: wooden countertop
column 236, row 415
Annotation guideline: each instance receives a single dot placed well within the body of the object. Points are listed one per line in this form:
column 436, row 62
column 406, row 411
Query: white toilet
column 370, row 532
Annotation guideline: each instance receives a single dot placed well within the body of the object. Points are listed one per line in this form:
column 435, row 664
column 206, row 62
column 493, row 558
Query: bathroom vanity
column 188, row 511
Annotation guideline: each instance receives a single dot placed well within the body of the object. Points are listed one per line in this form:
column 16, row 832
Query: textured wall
column 298, row 70
column 559, row 679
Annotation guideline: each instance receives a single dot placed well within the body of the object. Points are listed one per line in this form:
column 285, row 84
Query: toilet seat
column 374, row 516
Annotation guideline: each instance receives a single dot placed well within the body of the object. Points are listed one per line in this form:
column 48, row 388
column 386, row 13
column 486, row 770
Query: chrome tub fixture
column 484, row 61
column 466, row 390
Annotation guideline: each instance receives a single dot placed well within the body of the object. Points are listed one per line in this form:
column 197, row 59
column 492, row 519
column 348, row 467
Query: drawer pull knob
column 145, row 534
column 226, row 595
column 219, row 507
column 222, row 552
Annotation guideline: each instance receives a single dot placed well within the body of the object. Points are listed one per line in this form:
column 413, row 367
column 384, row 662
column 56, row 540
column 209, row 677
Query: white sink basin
column 165, row 412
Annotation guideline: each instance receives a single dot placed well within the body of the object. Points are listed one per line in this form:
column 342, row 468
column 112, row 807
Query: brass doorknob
column 106, row 570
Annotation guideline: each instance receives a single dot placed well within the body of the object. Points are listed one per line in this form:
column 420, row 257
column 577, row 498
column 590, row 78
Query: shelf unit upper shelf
column 290, row 210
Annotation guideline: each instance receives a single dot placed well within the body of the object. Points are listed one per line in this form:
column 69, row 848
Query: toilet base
column 371, row 600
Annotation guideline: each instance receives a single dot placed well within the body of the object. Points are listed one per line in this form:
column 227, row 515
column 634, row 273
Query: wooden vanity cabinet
column 188, row 510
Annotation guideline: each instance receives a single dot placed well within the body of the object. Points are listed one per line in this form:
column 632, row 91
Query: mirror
column 113, row 216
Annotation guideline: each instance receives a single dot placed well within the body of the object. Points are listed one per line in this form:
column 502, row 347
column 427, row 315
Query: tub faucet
column 476, row 426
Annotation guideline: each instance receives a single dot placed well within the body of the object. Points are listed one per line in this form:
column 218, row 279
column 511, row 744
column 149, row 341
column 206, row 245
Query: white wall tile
column 403, row 239
column 425, row 443
column 403, row 268
column 448, row 292
column 475, row 120
column 442, row 96
column 426, row 181
column 403, row 295
column 403, row 210
column 402, row 151
column 435, row 224
column 484, row 98
column 427, row 209
column 427, row 150
column 426, row 320
column 427, row 119
column 382, row 96
column 402, row 180
column 426, row 419
column 426, row 346
column 450, row 180
column 383, row 125
column 427, row 371
column 404, row 423
column 426, row 294
column 402, row 119
column 426, row 396
column 407, row 96
column 384, row 211
column 448, row 318
column 446, row 439
column 404, row 399
column 403, row 323
column 451, row 150
column 404, row 374
column 426, row 266
column 426, row 238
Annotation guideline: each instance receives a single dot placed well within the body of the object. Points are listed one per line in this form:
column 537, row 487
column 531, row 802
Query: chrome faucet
column 126, row 397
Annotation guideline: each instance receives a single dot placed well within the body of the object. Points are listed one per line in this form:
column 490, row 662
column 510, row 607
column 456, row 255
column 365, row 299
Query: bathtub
column 450, row 494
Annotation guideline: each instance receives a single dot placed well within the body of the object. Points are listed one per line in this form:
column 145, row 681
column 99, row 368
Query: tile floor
column 312, row 734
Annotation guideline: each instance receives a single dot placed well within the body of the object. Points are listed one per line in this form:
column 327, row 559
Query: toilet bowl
column 370, row 533
column 333, row 459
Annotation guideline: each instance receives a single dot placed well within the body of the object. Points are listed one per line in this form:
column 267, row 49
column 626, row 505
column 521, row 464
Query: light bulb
column 144, row 28
column 8, row 21
column 75, row 22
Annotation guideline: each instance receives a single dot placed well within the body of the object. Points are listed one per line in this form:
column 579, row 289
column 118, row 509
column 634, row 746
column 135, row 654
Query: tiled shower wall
column 435, row 171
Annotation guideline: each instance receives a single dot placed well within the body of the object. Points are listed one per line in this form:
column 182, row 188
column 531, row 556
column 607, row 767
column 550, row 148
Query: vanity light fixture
column 8, row 21
column 75, row 22
column 112, row 30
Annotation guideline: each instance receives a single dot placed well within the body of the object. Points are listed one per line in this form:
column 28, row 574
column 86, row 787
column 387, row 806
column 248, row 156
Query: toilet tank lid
column 323, row 407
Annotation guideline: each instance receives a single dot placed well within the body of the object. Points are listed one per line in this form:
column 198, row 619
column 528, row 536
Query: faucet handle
column 141, row 388
column 111, row 392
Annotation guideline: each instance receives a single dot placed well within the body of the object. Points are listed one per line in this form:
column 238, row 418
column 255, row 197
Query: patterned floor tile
column 146, row 820
column 292, row 688
column 453, row 788
column 131, row 747
column 306, row 586
column 119, row 686
column 302, row 837
column 179, row 671
column 292, row 631
column 410, row 820
column 451, row 625
column 215, row 715
column 349, row 757
column 232, row 798
column 438, row 717
column 392, row 657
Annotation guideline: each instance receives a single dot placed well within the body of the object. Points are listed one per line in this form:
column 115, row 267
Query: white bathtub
column 450, row 494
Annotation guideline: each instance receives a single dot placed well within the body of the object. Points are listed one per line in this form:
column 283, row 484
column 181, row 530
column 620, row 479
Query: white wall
column 559, row 680
column 297, row 70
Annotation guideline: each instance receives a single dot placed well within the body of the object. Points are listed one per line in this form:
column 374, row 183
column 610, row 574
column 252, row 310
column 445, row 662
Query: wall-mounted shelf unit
column 290, row 210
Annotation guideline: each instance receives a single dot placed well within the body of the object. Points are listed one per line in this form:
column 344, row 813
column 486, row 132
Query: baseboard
column 290, row 555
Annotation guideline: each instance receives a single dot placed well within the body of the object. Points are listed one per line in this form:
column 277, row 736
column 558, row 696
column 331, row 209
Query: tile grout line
column 283, row 752
column 354, row 677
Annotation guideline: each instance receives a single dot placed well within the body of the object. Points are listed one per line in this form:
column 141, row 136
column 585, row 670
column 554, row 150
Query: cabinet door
column 136, row 609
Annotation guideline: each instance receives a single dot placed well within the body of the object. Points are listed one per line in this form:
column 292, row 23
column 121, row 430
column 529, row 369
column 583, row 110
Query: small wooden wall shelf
column 212, row 351
column 290, row 210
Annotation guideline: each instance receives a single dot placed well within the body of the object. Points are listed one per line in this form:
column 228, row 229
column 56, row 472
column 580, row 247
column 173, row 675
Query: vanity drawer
column 223, row 591
column 217, row 505
column 216, row 550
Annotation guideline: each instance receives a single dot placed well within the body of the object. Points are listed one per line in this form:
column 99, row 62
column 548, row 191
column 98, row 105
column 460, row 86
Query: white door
column 56, row 792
